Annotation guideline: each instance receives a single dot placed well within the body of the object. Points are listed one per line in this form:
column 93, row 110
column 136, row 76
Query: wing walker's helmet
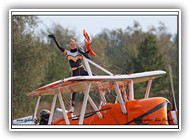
column 44, row 116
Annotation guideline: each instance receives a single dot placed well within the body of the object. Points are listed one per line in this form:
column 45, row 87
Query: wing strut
column 52, row 108
column 101, row 68
column 63, row 108
column 148, row 88
column 94, row 107
column 121, row 102
column 37, row 105
column 86, row 96
column 131, row 90
column 87, row 66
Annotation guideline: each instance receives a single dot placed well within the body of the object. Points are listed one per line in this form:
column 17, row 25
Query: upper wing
column 79, row 83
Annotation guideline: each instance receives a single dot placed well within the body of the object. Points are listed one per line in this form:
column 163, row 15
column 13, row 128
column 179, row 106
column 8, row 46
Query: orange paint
column 145, row 111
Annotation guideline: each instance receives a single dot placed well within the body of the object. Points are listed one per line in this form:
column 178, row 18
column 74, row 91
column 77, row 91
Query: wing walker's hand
column 87, row 43
column 51, row 36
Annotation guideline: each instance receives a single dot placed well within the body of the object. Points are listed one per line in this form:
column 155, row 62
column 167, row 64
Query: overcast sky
column 95, row 24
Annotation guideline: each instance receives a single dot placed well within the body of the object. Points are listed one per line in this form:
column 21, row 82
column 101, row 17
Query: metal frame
column 118, row 92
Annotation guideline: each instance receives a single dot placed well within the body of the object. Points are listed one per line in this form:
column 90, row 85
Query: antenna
column 171, row 81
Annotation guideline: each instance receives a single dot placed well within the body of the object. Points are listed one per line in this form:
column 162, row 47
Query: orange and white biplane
column 126, row 110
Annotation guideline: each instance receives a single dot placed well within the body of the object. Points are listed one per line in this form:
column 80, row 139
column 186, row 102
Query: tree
column 148, row 55
column 149, row 59
column 29, row 63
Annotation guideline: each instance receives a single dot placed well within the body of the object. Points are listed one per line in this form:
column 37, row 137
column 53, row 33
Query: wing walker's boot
column 73, row 116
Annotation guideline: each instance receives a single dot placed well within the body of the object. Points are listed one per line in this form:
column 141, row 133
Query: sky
column 95, row 24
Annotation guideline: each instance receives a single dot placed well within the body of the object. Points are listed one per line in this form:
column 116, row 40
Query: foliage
column 29, row 62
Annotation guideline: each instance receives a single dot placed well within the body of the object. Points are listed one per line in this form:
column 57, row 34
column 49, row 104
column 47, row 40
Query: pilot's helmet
column 44, row 114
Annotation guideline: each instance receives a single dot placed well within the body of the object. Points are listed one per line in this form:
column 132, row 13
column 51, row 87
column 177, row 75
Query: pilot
column 44, row 116
column 74, row 56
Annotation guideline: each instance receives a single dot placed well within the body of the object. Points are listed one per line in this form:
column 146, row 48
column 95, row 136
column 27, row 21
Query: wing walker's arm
column 85, row 54
column 56, row 42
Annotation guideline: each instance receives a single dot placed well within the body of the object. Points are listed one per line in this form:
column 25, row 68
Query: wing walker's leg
column 63, row 108
column 121, row 102
column 52, row 108
column 37, row 105
column 84, row 103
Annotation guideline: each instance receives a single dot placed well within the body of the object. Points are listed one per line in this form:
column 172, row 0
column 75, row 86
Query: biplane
column 126, row 110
